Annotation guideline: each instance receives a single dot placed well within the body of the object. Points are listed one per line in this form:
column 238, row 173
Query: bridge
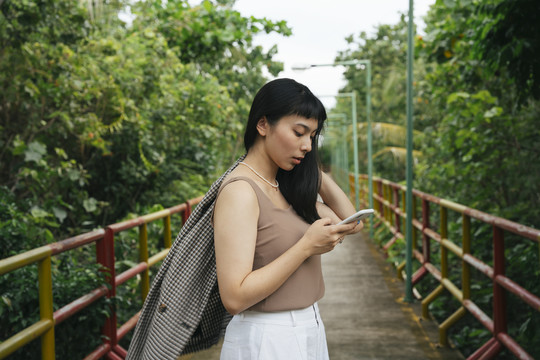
column 364, row 310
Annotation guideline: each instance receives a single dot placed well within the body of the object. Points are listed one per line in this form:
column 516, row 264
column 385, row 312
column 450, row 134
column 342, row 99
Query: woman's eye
column 298, row 134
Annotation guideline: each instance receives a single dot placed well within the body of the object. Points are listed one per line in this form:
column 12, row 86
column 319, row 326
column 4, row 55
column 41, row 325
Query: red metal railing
column 387, row 199
column 104, row 240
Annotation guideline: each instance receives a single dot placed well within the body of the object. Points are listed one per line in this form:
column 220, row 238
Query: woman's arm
column 325, row 212
column 235, row 232
column 337, row 202
column 335, row 198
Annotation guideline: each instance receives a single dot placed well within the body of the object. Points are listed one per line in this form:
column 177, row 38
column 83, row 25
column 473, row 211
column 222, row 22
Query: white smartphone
column 362, row 214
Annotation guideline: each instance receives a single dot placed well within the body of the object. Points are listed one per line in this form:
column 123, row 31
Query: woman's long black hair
column 276, row 99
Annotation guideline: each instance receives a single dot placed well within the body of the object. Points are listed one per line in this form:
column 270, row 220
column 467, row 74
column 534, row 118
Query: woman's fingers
column 358, row 227
column 339, row 241
column 345, row 229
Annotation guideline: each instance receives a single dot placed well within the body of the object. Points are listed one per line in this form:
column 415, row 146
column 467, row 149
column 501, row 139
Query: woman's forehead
column 310, row 124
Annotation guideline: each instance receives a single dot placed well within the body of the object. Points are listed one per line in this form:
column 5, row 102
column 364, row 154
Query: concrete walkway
column 363, row 312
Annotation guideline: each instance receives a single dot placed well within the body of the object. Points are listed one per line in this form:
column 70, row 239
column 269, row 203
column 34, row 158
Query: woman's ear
column 262, row 126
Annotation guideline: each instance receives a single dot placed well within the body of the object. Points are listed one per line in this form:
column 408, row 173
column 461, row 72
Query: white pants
column 290, row 335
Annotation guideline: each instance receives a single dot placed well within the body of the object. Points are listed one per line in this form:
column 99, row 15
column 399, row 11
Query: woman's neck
column 262, row 163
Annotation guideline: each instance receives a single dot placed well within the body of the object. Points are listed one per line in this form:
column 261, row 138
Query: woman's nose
column 306, row 146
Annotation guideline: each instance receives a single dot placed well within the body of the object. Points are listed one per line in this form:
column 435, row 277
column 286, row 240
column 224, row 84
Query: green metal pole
column 408, row 199
column 345, row 159
column 369, row 143
column 355, row 151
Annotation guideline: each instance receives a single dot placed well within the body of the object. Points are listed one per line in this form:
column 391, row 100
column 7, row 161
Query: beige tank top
column 277, row 231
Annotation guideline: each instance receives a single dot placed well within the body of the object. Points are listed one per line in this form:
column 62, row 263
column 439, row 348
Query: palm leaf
column 398, row 153
column 388, row 133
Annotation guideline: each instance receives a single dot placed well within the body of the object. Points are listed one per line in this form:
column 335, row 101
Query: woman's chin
column 288, row 167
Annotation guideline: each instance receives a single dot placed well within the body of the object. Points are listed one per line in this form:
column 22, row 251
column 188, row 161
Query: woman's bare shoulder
column 237, row 196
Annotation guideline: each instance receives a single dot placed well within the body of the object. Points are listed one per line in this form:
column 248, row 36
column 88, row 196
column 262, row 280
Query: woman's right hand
column 321, row 237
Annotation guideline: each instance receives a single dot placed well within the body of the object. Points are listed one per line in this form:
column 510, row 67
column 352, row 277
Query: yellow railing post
column 466, row 247
column 444, row 266
column 465, row 275
column 444, row 236
column 46, row 307
column 429, row 299
column 143, row 257
column 383, row 204
column 451, row 320
column 387, row 211
column 459, row 313
column 167, row 240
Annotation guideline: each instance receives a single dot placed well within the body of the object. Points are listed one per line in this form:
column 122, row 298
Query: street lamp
column 367, row 65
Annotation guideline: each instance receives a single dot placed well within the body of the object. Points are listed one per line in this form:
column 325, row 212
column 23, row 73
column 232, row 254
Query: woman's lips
column 297, row 160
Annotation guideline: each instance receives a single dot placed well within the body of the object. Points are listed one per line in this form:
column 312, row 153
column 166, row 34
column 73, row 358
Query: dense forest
column 100, row 120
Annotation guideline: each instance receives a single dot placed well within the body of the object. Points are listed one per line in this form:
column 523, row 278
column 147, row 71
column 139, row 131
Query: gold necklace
column 262, row 177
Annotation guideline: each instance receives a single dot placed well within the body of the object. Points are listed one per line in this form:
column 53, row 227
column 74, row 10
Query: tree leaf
column 35, row 151
column 494, row 111
column 90, row 204
column 38, row 212
column 457, row 95
column 60, row 213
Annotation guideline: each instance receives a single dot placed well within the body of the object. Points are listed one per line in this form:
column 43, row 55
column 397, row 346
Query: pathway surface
column 363, row 313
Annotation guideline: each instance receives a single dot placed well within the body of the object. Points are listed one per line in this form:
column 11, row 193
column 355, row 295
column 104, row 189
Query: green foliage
column 74, row 278
column 35, row 165
column 17, row 223
column 127, row 115
column 99, row 116
column 475, row 133
column 477, row 151
column 509, row 42
column 387, row 50
column 19, row 306
column 220, row 42
column 99, row 119
column 24, row 22
column 476, row 103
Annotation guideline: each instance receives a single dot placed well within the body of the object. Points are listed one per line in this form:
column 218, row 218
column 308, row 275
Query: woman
column 268, row 231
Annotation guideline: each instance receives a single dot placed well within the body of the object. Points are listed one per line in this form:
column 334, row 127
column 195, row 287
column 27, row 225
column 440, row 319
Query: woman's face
column 289, row 140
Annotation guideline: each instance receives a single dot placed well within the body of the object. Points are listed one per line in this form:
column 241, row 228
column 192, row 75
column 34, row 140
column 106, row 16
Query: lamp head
column 301, row 67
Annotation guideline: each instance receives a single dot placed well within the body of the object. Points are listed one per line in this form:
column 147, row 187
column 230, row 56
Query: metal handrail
column 388, row 196
column 104, row 242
